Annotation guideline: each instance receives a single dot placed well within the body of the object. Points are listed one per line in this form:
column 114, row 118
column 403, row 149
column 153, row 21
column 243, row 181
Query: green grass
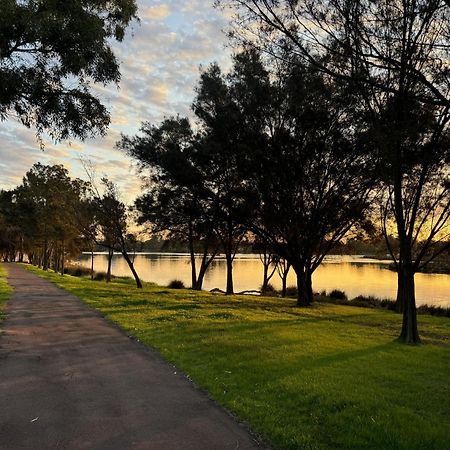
column 329, row 376
column 5, row 291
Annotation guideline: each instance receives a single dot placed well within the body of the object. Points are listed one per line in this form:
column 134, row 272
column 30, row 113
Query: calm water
column 354, row 275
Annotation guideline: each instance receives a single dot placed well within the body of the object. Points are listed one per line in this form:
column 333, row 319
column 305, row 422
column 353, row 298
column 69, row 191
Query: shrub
column 77, row 271
column 270, row 290
column 291, row 291
column 365, row 302
column 387, row 304
column 434, row 310
column 176, row 284
column 372, row 302
column 338, row 295
column 101, row 276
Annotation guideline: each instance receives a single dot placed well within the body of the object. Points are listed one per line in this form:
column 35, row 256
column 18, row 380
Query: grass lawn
column 5, row 291
column 324, row 377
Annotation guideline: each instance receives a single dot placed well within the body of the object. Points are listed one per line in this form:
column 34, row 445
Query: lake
column 354, row 275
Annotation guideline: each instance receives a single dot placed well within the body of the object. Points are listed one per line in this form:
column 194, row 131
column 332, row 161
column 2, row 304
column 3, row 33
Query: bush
column 372, row 302
column 433, row 310
column 338, row 295
column 176, row 284
column 101, row 276
column 270, row 290
column 291, row 291
column 365, row 302
column 77, row 271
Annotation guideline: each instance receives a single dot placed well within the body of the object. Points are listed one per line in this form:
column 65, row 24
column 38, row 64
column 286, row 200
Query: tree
column 269, row 261
column 224, row 154
column 174, row 201
column 314, row 176
column 283, row 268
column 112, row 216
column 51, row 52
column 43, row 211
column 394, row 55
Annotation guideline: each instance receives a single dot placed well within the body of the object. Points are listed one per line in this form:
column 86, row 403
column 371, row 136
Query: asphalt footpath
column 71, row 380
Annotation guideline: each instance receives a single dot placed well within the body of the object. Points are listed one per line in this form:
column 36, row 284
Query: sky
column 160, row 60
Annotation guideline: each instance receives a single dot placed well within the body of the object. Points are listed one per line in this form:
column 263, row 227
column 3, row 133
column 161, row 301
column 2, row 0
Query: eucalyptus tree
column 51, row 55
column 202, row 170
column 112, row 216
column 45, row 203
column 314, row 177
column 229, row 110
column 394, row 55
column 174, row 202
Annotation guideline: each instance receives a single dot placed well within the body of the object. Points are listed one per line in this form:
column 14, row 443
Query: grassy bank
column 329, row 376
column 5, row 291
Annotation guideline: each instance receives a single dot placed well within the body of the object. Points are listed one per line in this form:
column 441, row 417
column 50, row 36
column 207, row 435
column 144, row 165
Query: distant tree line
column 51, row 217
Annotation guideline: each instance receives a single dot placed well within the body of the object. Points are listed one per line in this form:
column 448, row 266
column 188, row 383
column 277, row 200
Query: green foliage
column 44, row 211
column 50, row 54
column 5, row 291
column 324, row 377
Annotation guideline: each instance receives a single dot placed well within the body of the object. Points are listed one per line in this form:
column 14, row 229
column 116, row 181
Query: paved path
column 70, row 380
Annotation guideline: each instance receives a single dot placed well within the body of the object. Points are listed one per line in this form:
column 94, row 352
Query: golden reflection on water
column 355, row 276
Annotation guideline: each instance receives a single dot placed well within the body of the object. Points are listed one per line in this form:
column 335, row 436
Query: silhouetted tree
column 269, row 261
column 314, row 176
column 175, row 201
column 112, row 216
column 224, row 154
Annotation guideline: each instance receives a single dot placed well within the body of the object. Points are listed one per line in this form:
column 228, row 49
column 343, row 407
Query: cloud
column 156, row 12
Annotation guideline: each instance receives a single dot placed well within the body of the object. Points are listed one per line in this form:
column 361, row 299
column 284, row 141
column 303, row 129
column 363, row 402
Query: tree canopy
column 51, row 54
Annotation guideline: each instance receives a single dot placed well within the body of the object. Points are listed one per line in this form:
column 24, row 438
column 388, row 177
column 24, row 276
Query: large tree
column 44, row 208
column 394, row 54
column 174, row 202
column 314, row 175
column 51, row 53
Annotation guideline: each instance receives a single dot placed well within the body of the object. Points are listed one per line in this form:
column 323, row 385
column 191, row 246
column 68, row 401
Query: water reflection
column 354, row 275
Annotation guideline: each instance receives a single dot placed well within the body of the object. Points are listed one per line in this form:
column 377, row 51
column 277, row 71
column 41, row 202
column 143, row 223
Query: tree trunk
column 409, row 333
column 21, row 250
column 110, row 257
column 401, row 299
column 265, row 278
column 284, row 281
column 192, row 255
column 92, row 264
column 201, row 276
column 229, row 258
column 45, row 259
column 304, row 287
column 133, row 270
column 205, row 263
column 63, row 249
